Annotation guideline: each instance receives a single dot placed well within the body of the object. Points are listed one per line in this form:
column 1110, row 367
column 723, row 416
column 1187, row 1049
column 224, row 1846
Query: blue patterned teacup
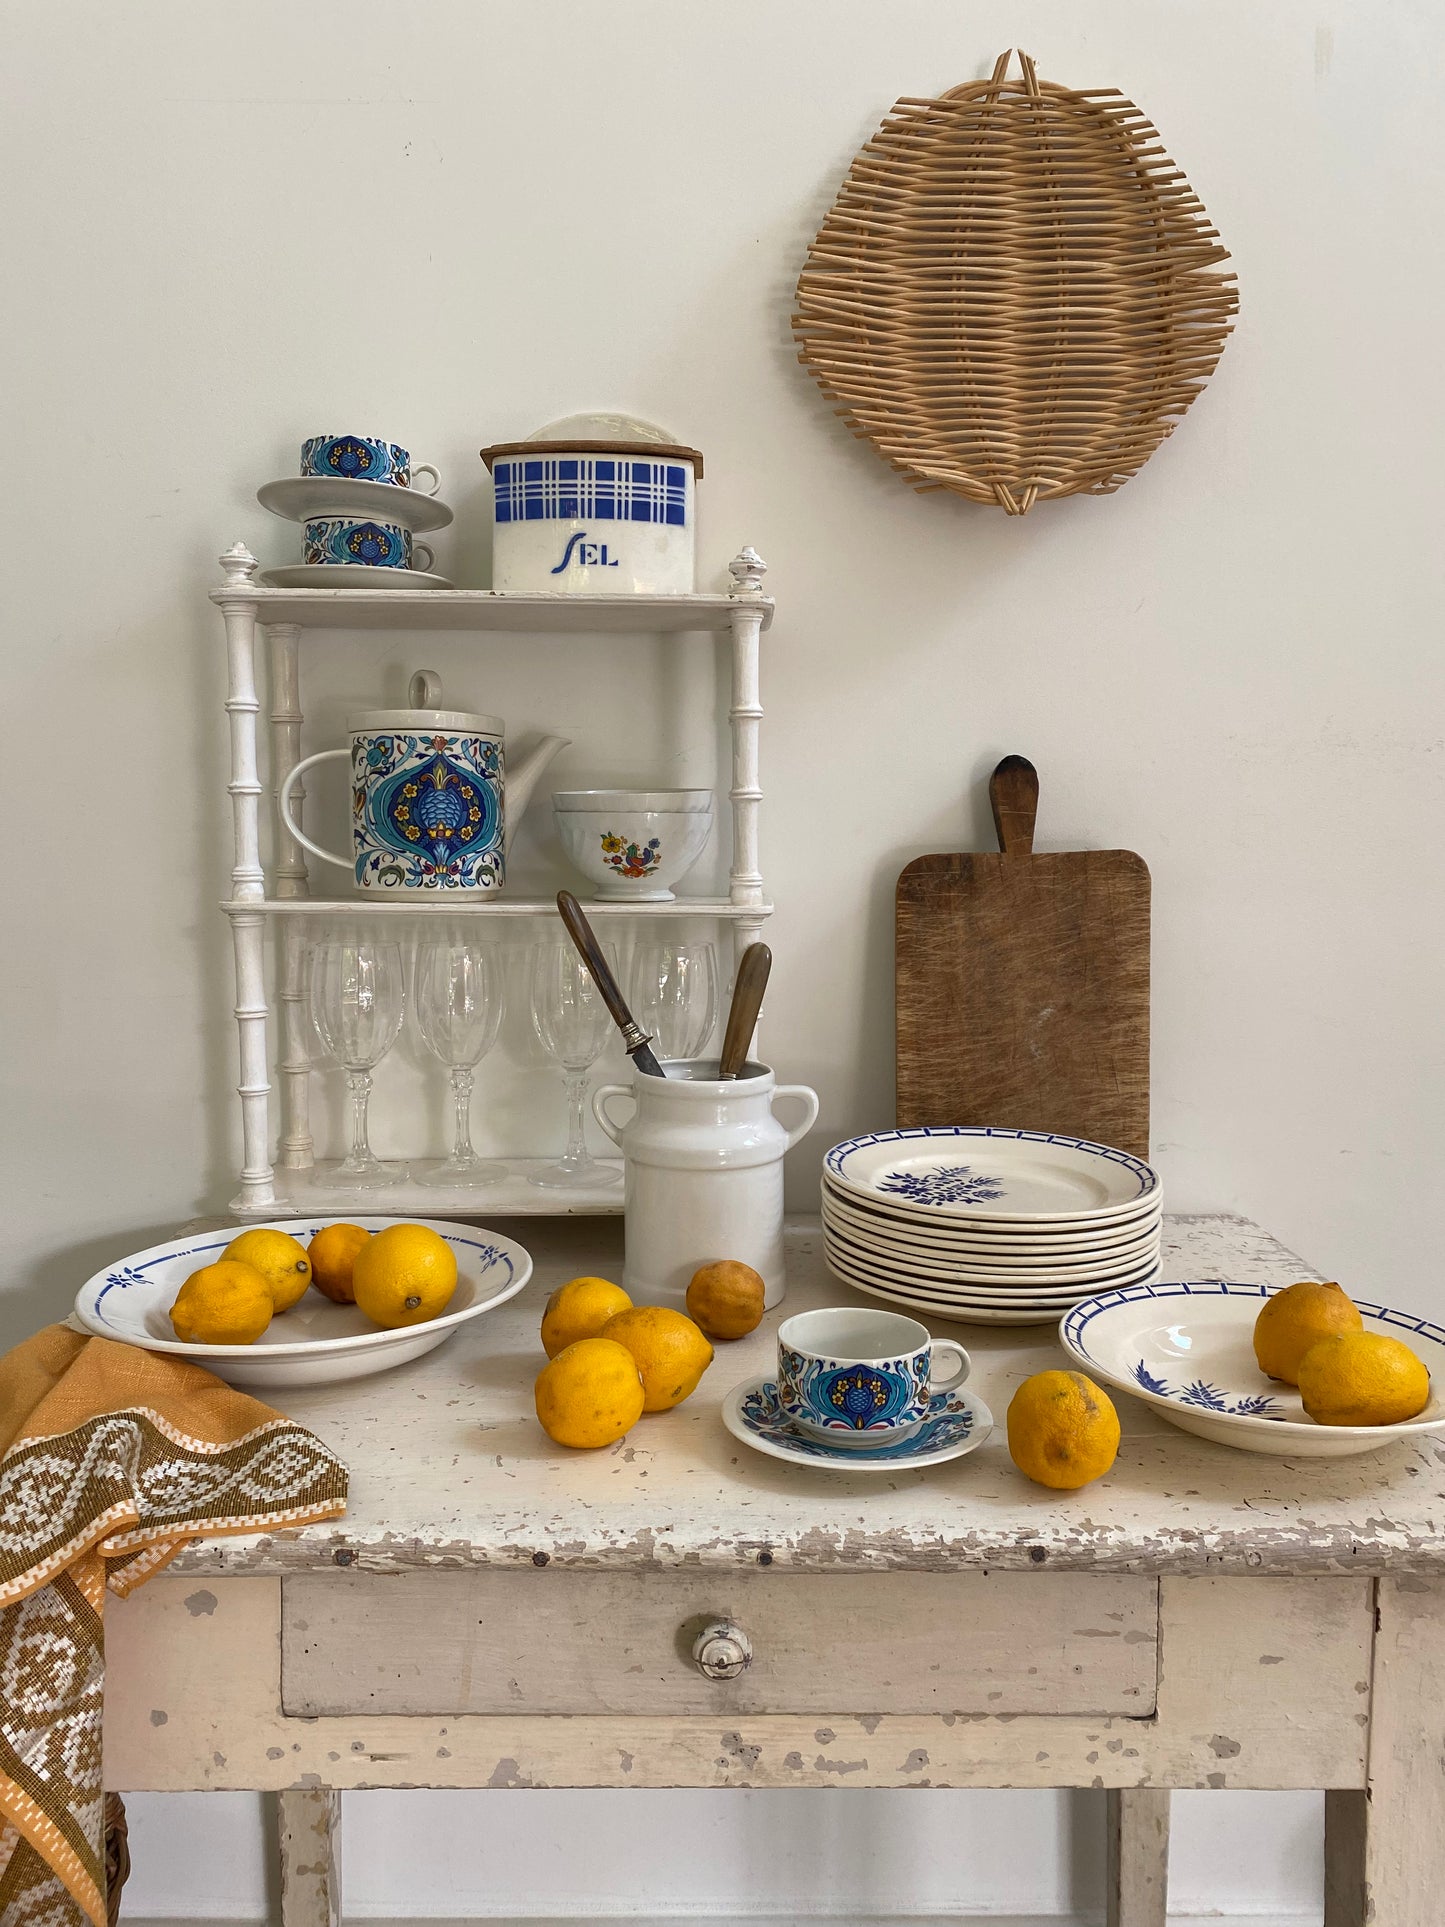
column 363, row 458
column 857, row 1378
column 365, row 545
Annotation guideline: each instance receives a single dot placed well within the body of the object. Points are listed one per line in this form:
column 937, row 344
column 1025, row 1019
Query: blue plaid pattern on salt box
column 598, row 488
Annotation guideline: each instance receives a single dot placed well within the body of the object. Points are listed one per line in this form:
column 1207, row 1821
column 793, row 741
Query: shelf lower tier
column 308, row 1194
column 467, row 903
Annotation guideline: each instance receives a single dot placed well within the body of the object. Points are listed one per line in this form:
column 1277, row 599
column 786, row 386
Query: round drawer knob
column 722, row 1650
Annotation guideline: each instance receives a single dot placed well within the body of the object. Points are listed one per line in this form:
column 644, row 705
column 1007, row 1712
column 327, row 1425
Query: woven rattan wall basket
column 1015, row 294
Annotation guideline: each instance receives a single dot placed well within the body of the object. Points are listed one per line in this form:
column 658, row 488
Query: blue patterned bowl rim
column 1074, row 1324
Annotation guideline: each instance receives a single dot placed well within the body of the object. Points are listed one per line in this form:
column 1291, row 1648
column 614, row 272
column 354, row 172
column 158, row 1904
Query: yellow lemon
column 580, row 1310
column 1362, row 1378
column 280, row 1259
column 1063, row 1430
column 590, row 1394
column 333, row 1253
column 671, row 1353
column 227, row 1303
column 1296, row 1318
column 404, row 1275
column 726, row 1299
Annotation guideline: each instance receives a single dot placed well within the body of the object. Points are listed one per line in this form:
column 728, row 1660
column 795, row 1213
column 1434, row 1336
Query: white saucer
column 350, row 575
column 958, row 1423
column 297, row 498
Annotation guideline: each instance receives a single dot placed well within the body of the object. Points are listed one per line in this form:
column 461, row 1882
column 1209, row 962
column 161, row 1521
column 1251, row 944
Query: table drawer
column 550, row 1641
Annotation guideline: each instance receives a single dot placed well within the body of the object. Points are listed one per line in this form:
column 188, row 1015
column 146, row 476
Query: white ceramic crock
column 704, row 1174
column 594, row 505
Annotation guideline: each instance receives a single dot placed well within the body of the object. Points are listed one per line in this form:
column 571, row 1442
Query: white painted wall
column 225, row 227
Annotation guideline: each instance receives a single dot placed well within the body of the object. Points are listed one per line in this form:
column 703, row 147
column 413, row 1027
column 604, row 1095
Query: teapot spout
column 522, row 779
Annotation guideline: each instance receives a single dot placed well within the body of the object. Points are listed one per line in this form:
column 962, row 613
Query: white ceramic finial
column 239, row 565
column 747, row 571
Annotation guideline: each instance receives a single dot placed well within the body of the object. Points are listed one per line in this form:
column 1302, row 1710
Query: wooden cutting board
column 1023, row 983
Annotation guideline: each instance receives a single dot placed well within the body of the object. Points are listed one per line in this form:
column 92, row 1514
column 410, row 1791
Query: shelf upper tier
column 472, row 903
column 485, row 609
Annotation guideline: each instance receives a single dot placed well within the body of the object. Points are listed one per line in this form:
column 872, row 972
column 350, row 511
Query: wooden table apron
column 495, row 1612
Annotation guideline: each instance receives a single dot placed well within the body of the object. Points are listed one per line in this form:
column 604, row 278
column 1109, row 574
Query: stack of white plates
column 992, row 1226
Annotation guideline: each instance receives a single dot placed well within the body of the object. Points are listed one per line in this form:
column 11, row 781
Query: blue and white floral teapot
column 432, row 806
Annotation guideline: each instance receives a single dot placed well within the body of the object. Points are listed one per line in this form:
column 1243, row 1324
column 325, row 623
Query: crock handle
column 284, row 803
column 810, row 1105
column 599, row 1107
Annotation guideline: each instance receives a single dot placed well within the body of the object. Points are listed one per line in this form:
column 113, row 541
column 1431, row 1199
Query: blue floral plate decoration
column 957, row 1422
column 1186, row 1348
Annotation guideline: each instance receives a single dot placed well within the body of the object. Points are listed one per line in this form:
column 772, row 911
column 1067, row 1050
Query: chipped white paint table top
column 449, row 1467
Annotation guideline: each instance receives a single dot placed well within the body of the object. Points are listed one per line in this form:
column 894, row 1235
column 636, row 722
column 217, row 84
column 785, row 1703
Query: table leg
column 1385, row 1848
column 1138, row 1856
column 309, row 1824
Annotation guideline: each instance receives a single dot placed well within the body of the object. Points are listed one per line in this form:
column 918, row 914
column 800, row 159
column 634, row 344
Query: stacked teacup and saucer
column 359, row 509
column 862, row 1390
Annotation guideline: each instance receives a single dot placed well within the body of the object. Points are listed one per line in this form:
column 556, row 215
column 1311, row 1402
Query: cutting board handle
column 1013, row 790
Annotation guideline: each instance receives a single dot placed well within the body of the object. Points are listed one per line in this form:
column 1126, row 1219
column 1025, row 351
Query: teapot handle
column 810, row 1106
column 284, row 803
column 424, row 691
column 599, row 1107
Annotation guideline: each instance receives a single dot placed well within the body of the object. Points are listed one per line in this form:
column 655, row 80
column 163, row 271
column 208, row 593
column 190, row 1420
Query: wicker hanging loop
column 1015, row 295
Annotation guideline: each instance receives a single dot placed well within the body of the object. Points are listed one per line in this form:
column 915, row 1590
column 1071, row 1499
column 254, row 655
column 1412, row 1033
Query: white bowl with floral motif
column 633, row 845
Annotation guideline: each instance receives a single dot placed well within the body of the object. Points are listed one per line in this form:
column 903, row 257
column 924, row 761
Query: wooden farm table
column 498, row 1612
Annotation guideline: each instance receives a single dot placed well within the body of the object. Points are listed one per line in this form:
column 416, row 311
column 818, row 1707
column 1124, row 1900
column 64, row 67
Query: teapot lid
column 425, row 693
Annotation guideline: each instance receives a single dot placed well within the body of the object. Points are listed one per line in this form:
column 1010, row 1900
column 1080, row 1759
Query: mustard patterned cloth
column 111, row 1458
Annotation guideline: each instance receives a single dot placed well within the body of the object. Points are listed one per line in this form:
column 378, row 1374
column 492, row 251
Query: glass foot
column 460, row 1174
column 575, row 1174
column 373, row 1175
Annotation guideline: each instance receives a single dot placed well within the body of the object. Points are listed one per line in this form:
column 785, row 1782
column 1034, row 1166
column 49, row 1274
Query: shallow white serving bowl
column 965, row 1238
column 993, row 1267
column 1187, row 1349
column 984, row 1173
column 316, row 1342
column 633, row 845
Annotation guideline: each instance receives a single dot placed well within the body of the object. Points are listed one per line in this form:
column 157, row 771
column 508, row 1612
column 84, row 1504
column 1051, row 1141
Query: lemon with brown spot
column 1362, row 1378
column 280, row 1259
column 405, row 1275
column 227, row 1303
column 671, row 1352
column 579, row 1309
column 725, row 1300
column 590, row 1394
column 1063, row 1430
column 1296, row 1318
column 333, row 1256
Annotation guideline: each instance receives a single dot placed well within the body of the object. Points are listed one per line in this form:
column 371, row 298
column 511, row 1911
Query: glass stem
column 576, row 1088
column 462, row 1081
column 359, row 1084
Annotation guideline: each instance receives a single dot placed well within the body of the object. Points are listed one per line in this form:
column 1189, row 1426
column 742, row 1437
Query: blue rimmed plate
column 986, row 1175
column 315, row 1342
column 958, row 1422
column 1187, row 1349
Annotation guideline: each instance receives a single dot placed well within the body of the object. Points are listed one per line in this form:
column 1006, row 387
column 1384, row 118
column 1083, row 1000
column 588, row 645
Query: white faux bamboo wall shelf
column 256, row 899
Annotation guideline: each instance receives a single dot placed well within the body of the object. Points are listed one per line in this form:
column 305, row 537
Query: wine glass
column 459, row 1011
column 357, row 997
column 572, row 1025
column 674, row 995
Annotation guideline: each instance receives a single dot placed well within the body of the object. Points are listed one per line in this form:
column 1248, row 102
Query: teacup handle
column 965, row 1365
column 810, row 1107
column 284, row 804
column 422, row 548
column 599, row 1107
column 425, row 468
